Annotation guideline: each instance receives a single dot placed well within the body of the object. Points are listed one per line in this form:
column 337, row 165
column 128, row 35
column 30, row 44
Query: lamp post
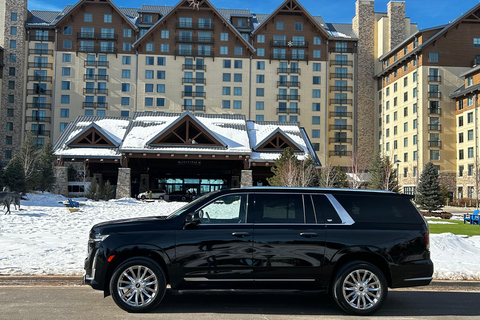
column 397, row 162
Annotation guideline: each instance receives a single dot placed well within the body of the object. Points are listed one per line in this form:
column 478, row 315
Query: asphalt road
column 82, row 302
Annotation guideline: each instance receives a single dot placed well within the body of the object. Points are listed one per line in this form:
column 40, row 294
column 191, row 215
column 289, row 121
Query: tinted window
column 276, row 208
column 384, row 209
column 324, row 210
column 226, row 209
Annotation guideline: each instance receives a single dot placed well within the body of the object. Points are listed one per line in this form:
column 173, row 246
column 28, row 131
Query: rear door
column 289, row 244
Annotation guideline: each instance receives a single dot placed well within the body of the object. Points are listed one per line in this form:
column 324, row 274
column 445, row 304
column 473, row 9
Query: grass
column 457, row 227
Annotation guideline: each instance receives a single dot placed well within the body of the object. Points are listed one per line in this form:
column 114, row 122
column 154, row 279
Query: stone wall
column 61, row 180
column 247, row 179
column 124, row 183
column 396, row 28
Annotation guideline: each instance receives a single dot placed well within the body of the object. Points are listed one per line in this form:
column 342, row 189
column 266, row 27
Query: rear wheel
column 360, row 288
column 138, row 285
column 142, row 197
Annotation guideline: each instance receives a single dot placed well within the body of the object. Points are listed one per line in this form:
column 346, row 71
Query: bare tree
column 28, row 158
column 307, row 173
column 357, row 174
column 328, row 176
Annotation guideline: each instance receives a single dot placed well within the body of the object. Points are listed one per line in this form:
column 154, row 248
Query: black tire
column 138, row 285
column 184, row 198
column 142, row 197
column 363, row 297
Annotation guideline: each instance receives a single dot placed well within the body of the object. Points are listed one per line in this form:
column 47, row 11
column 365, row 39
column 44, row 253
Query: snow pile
column 44, row 238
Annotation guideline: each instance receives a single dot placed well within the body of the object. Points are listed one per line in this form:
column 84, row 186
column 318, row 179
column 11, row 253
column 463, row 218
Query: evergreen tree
column 285, row 170
column 2, row 181
column 107, row 191
column 341, row 178
column 383, row 175
column 14, row 176
column 429, row 195
column 376, row 173
column 93, row 191
column 46, row 159
column 391, row 176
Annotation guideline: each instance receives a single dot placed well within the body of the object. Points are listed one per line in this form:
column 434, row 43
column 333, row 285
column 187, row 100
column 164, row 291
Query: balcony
column 194, row 67
column 40, row 132
column 38, row 119
column 93, row 63
column 290, row 44
column 194, row 94
column 340, row 153
column 341, row 88
column 289, row 70
column 193, row 108
column 97, row 36
column 340, row 140
column 294, row 84
column 191, row 53
column 341, row 63
column 36, row 105
column 195, row 39
column 340, row 127
column 194, row 80
column 97, row 49
column 435, row 94
column 195, row 26
column 296, row 57
column 341, row 50
column 41, row 51
column 435, row 127
column 39, row 92
column 434, row 78
column 434, row 111
column 341, row 76
column 95, row 91
column 341, row 114
column 341, row 101
column 42, row 38
column 95, row 77
column 435, row 143
column 40, row 65
column 288, row 111
column 288, row 97
column 40, row 78
column 95, row 105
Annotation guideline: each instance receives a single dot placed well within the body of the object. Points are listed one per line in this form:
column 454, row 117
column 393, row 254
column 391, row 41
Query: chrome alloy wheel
column 362, row 289
column 137, row 286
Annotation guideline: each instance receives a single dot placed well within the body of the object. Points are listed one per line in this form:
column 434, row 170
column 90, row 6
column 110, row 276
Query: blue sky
column 426, row 13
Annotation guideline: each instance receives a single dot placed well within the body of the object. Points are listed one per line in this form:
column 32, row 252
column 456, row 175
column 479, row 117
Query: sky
column 426, row 13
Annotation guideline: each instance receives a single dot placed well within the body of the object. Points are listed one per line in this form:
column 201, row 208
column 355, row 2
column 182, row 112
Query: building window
column 470, row 170
column 260, row 78
column 150, row 47
column 316, row 93
column 149, row 74
column 127, row 46
column 107, row 18
column 65, row 71
column 315, row 120
column 280, row 25
column 125, row 101
column 237, row 104
column 238, row 51
column 125, row 87
column 316, row 80
column 434, row 155
column 259, row 117
column 317, row 40
column 127, row 33
column 261, row 52
column 470, row 101
column 433, row 57
column 124, row 113
column 227, row 77
column 316, row 106
column 11, row 98
column 223, row 36
column 164, row 47
column 161, row 61
column 11, row 85
column 13, row 31
column 470, row 117
column 161, row 74
column 260, row 105
column 148, row 102
column 65, row 99
column 470, row 152
column 237, row 77
column 87, row 17
column 225, row 104
column 160, row 88
column 14, row 16
column 160, row 102
column 476, row 42
column 126, row 59
column 261, row 38
column 65, row 85
column 13, row 44
column 223, row 50
column 315, row 133
column 126, row 74
column 469, row 135
column 298, row 26
column 317, row 54
column 260, row 92
column 237, row 64
column 64, row 113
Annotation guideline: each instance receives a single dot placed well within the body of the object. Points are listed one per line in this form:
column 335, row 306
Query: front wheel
column 138, row 285
column 360, row 288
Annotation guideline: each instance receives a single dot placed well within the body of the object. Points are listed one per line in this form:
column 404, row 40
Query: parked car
column 352, row 243
column 156, row 194
column 187, row 195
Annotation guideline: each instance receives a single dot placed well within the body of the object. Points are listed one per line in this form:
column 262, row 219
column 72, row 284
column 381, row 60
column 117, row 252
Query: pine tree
column 93, row 191
column 341, row 181
column 428, row 195
column 107, row 191
column 45, row 163
column 376, row 173
column 14, row 176
column 286, row 170
column 383, row 175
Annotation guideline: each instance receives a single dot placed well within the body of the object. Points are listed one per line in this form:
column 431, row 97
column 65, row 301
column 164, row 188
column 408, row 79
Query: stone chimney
column 396, row 28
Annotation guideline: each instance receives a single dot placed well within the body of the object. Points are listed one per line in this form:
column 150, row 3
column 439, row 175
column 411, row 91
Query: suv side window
column 226, row 209
column 279, row 208
column 324, row 210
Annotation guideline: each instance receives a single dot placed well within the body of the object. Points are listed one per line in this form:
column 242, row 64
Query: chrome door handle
column 240, row 234
column 308, row 234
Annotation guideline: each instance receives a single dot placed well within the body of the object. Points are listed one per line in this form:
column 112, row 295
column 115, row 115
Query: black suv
column 354, row 243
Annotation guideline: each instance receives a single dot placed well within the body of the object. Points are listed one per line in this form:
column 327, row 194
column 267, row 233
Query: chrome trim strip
column 419, row 279
column 206, row 279
column 287, row 280
column 342, row 213
column 239, row 280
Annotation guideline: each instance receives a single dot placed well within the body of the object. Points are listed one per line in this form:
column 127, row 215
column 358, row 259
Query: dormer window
column 469, row 81
column 147, row 18
column 241, row 22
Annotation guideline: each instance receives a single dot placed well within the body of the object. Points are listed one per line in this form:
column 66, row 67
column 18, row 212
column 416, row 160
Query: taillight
column 427, row 239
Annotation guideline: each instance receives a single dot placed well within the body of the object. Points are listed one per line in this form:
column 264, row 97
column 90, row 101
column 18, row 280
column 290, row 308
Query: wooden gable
column 277, row 142
column 92, row 137
column 187, row 131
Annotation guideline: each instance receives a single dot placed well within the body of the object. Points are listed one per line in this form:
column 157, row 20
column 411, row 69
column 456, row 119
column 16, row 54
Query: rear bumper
column 412, row 274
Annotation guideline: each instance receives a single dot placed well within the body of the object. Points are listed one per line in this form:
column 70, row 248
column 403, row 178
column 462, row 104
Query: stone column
column 61, row 180
column 246, row 179
column 124, row 183
column 396, row 28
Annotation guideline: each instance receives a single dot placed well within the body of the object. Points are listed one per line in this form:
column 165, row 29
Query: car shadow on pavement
column 399, row 303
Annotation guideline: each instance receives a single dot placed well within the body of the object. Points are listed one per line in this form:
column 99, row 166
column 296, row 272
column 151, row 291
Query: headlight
column 100, row 237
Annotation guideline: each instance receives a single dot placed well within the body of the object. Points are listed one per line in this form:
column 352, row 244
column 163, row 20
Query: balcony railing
column 193, row 53
column 95, row 105
column 341, row 63
column 341, row 88
column 341, row 50
column 196, row 26
column 435, row 94
column 40, row 78
column 193, row 107
column 40, row 65
column 93, row 63
column 288, row 111
column 97, row 49
column 42, row 38
column 295, row 97
column 434, row 78
column 340, row 153
column 195, row 94
column 340, row 75
column 37, row 105
column 194, row 80
column 41, row 51
column 40, row 132
column 341, row 114
column 340, row 127
column 434, row 110
column 340, row 140
column 97, row 36
column 194, row 39
column 434, row 127
column 288, row 84
column 341, row 101
column 38, row 119
column 435, row 143
column 297, row 57
column 95, row 77
column 39, row 92
column 95, row 91
column 194, row 67
column 287, row 43
column 289, row 70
